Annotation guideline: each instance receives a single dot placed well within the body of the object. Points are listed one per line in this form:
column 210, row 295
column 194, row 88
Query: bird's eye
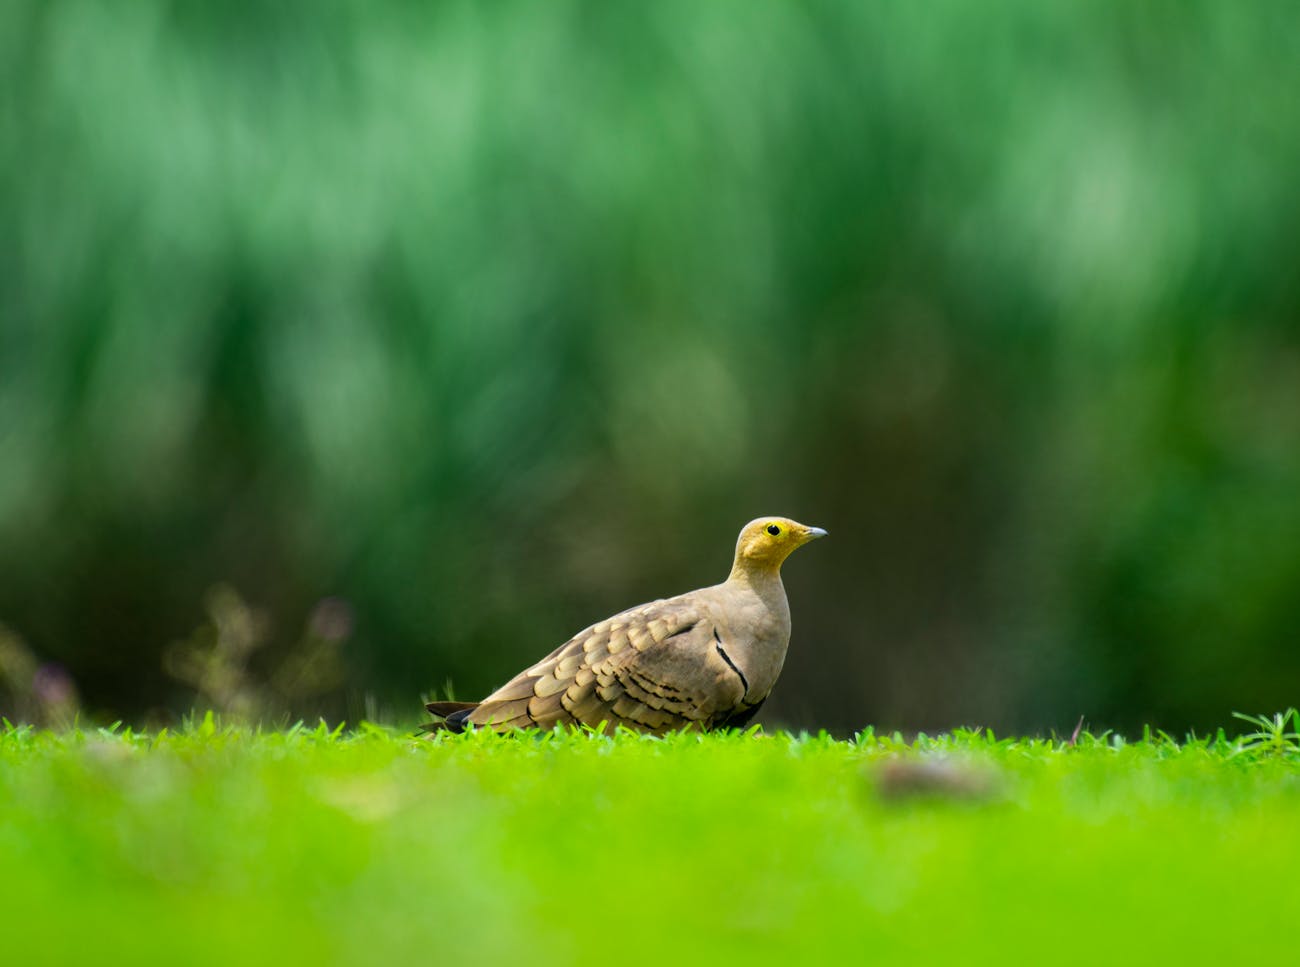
column 773, row 529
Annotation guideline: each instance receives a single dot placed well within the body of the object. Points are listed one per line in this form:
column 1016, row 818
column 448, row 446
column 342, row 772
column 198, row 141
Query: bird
column 703, row 660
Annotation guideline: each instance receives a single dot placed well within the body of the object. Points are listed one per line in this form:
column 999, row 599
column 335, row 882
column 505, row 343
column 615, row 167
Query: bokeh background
column 353, row 349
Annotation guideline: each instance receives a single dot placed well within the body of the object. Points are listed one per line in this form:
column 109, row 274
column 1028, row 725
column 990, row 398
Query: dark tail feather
column 453, row 715
column 444, row 709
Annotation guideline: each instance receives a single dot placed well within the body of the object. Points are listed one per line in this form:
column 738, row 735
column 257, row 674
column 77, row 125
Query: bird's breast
column 754, row 630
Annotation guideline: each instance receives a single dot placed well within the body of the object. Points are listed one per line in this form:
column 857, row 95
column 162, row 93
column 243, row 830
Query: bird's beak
column 814, row 533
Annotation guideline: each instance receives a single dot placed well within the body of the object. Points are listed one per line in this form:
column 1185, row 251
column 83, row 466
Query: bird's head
column 767, row 541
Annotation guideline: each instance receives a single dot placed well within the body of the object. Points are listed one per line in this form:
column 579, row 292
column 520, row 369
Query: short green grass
column 317, row 846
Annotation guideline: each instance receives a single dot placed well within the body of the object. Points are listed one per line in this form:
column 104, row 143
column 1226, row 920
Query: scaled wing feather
column 651, row 669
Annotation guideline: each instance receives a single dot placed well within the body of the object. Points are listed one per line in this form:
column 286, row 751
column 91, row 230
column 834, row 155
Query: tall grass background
column 421, row 335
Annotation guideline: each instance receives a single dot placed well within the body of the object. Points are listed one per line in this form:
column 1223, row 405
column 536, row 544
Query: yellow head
column 767, row 541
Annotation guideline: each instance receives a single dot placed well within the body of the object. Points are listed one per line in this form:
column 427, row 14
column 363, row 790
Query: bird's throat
column 759, row 576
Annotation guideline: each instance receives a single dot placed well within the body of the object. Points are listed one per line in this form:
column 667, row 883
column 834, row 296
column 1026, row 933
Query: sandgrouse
column 706, row 659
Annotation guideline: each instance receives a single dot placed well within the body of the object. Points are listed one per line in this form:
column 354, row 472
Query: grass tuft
column 1271, row 736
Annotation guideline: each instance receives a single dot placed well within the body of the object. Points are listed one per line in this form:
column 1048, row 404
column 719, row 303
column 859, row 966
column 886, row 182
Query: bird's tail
column 451, row 715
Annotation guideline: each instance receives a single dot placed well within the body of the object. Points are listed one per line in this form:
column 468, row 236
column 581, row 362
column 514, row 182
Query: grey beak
column 814, row 532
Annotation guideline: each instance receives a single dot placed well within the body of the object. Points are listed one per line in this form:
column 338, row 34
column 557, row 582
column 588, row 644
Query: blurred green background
column 348, row 349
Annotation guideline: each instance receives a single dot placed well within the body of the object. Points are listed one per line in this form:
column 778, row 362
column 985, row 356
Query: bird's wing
column 654, row 669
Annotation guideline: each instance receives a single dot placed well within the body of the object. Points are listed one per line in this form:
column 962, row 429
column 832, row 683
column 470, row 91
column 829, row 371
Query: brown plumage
column 705, row 659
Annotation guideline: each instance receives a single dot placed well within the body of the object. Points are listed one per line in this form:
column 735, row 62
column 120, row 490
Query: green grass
column 234, row 846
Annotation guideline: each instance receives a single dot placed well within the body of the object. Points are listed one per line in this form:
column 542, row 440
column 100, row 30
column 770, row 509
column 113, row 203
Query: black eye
column 773, row 529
